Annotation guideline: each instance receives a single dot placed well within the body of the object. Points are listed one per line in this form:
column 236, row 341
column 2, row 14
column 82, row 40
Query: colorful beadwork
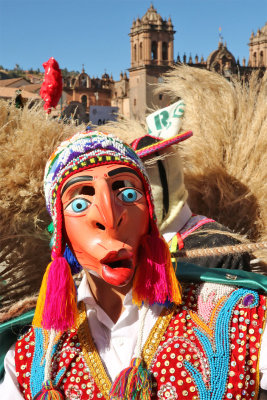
column 184, row 359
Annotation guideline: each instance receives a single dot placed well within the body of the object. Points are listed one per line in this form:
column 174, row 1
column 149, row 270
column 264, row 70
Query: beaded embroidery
column 184, row 359
column 217, row 348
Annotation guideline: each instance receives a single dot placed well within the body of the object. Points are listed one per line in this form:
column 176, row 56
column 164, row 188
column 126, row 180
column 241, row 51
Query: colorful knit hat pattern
column 56, row 306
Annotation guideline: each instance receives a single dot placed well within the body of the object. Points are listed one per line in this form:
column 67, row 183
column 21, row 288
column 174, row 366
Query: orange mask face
column 105, row 217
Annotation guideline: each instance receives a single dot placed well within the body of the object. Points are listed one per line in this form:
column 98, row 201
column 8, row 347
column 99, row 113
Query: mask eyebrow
column 76, row 179
column 121, row 184
column 121, row 170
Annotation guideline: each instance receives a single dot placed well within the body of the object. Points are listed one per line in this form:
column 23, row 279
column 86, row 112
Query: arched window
column 134, row 55
column 164, row 51
column 226, row 64
column 261, row 59
column 141, row 51
column 84, row 101
column 83, row 81
column 255, row 59
column 154, row 51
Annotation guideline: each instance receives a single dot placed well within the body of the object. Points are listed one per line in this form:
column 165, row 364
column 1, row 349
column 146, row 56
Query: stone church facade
column 151, row 56
column 258, row 48
column 151, row 40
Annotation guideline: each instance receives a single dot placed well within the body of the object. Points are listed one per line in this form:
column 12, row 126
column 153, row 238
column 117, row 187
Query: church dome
column 151, row 16
column 263, row 30
column 219, row 56
column 105, row 76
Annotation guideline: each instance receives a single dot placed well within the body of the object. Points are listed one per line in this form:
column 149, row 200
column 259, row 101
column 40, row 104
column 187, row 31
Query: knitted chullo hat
column 154, row 281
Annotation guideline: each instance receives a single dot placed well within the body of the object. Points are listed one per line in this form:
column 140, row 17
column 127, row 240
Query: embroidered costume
column 206, row 348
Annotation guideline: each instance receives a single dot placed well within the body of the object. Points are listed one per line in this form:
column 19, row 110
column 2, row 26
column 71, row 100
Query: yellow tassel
column 37, row 319
column 176, row 289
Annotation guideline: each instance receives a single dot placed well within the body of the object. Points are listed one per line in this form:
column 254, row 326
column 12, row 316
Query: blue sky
column 95, row 33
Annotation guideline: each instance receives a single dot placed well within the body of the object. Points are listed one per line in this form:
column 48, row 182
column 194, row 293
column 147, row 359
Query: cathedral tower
column 151, row 56
column 258, row 48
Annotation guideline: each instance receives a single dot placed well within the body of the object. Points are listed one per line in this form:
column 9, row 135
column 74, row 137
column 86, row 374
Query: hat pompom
column 48, row 392
column 57, row 306
column 155, row 280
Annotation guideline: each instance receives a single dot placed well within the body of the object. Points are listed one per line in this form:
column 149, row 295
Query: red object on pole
column 51, row 88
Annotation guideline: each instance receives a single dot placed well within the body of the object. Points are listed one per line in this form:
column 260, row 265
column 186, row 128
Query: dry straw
column 27, row 138
column 225, row 161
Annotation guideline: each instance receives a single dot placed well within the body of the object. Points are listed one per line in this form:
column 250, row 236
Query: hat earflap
column 57, row 306
column 155, row 280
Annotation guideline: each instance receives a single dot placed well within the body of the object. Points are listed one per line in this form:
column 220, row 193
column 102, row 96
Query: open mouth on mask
column 114, row 260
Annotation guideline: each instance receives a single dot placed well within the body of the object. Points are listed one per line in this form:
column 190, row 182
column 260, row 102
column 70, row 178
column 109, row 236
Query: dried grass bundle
column 27, row 138
column 125, row 128
column 226, row 159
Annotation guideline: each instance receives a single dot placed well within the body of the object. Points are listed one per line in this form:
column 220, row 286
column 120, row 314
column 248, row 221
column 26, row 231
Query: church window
column 255, row 59
column 83, row 81
column 261, row 59
column 134, row 52
column 84, row 101
column 141, row 51
column 154, row 51
column 164, row 51
column 134, row 102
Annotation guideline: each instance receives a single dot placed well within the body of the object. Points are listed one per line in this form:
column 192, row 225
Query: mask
column 105, row 217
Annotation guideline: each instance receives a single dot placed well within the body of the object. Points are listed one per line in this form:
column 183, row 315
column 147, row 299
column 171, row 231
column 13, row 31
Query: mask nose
column 108, row 214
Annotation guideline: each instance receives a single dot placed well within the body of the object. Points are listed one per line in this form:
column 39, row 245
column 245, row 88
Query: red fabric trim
column 163, row 144
column 195, row 227
column 179, row 241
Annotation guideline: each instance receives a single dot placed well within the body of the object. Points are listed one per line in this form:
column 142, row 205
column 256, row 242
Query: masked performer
column 133, row 335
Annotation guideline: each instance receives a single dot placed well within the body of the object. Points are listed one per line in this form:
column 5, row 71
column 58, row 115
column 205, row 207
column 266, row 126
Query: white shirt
column 115, row 342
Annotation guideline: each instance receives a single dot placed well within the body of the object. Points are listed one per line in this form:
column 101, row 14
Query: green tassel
column 133, row 383
column 49, row 392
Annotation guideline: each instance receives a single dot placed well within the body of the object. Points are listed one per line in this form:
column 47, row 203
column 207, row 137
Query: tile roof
column 8, row 92
column 33, row 88
column 8, row 82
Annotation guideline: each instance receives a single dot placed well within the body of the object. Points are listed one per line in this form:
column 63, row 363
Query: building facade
column 151, row 41
column 258, row 48
column 151, row 56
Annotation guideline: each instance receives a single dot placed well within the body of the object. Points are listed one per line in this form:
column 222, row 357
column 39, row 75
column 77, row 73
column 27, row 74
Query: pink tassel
column 150, row 280
column 155, row 280
column 60, row 307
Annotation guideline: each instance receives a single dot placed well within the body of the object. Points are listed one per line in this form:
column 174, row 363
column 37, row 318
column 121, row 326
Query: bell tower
column 258, row 48
column 151, row 56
